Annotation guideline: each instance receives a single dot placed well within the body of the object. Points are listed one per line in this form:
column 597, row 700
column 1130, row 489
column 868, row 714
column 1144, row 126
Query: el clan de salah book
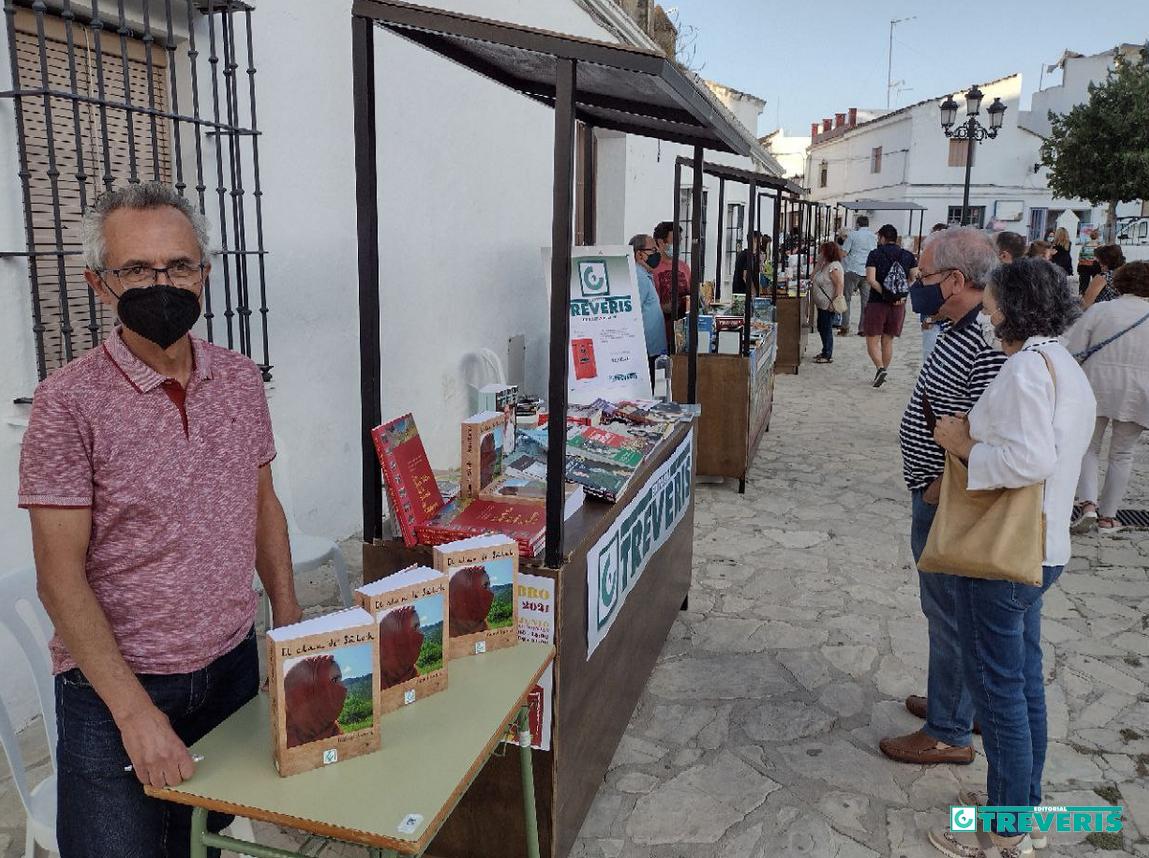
column 483, row 573
column 485, row 443
column 322, row 675
column 411, row 485
column 410, row 612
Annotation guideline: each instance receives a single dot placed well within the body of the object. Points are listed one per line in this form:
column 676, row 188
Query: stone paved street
column 757, row 735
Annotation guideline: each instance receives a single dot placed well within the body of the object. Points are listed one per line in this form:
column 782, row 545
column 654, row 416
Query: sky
column 813, row 59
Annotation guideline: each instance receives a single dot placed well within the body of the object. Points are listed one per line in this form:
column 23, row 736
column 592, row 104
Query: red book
column 411, row 485
column 584, row 360
column 524, row 522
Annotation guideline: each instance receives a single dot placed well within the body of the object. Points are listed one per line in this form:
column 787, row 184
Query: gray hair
column 139, row 196
column 639, row 241
column 966, row 249
column 1035, row 299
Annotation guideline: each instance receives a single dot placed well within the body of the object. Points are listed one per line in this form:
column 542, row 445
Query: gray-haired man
column 145, row 470
column 953, row 271
column 857, row 247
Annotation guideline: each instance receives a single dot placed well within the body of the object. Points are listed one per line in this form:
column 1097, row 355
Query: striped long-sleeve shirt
column 959, row 370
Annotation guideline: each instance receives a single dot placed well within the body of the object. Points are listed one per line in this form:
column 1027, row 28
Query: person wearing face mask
column 646, row 259
column 955, row 265
column 145, row 469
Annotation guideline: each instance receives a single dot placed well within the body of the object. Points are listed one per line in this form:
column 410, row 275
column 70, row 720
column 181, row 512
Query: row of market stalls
column 640, row 92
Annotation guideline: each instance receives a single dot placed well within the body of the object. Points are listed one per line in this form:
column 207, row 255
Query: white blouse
column 1119, row 372
column 1026, row 433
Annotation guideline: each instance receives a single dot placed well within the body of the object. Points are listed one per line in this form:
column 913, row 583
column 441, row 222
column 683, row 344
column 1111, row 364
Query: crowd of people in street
column 1022, row 379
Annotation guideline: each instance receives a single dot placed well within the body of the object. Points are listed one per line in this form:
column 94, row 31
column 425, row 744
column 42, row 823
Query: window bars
column 111, row 95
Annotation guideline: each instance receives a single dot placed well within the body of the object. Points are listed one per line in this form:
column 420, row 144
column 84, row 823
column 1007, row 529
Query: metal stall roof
column 737, row 174
column 883, row 206
column 621, row 88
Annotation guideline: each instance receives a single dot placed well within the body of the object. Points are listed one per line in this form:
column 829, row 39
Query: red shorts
column 881, row 319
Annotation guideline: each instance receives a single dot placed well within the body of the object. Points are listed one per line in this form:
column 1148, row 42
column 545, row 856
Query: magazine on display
column 411, row 616
column 483, row 573
column 322, row 675
column 411, row 486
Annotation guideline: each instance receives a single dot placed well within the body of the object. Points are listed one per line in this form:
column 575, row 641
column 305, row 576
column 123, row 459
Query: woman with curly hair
column 1032, row 425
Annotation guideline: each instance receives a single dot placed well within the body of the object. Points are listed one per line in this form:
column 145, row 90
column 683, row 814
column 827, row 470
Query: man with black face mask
column 646, row 259
column 145, row 469
column 954, row 267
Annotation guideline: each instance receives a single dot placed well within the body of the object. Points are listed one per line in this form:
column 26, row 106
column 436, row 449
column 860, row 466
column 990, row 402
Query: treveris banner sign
column 617, row 560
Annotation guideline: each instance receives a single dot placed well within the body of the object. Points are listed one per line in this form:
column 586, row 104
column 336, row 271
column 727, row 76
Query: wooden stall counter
column 737, row 398
column 793, row 316
column 643, row 570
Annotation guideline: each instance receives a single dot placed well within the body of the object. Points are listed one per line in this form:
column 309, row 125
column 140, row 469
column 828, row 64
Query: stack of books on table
column 491, row 498
column 600, row 460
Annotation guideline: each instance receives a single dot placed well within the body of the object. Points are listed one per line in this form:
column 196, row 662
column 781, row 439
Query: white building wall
column 915, row 163
column 465, row 183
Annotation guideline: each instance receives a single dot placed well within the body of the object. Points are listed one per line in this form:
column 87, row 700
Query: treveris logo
column 963, row 819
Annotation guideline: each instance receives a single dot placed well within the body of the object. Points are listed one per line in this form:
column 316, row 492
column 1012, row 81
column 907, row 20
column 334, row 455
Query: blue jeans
column 1000, row 624
column 949, row 717
column 826, row 331
column 101, row 809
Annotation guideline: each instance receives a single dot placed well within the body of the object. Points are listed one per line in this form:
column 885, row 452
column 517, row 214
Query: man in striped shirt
column 954, row 268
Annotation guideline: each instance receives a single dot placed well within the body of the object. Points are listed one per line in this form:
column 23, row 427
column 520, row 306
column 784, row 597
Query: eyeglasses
column 183, row 274
column 922, row 275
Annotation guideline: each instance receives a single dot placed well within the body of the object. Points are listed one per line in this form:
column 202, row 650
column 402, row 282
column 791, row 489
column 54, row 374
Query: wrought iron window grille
column 101, row 98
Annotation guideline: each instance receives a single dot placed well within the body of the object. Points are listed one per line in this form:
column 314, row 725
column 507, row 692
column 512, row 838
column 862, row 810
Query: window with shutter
column 63, row 135
column 95, row 108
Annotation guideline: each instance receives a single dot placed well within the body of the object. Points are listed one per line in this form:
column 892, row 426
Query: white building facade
column 904, row 155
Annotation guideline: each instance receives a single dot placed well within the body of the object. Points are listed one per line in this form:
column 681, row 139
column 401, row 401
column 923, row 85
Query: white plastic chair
column 24, row 618
column 307, row 552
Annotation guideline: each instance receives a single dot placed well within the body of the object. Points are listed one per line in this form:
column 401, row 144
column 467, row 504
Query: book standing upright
column 483, row 574
column 321, row 679
column 411, row 615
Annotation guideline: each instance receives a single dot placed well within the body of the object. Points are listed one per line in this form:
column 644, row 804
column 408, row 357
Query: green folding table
column 393, row 801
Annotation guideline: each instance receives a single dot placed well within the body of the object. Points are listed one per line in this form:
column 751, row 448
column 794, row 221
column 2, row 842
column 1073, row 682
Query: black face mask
column 653, row 258
column 160, row 313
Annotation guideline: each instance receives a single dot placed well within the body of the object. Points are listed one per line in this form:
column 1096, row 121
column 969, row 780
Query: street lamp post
column 971, row 131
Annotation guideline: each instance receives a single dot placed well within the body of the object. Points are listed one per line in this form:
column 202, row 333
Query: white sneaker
column 975, row 844
column 1086, row 523
column 976, row 798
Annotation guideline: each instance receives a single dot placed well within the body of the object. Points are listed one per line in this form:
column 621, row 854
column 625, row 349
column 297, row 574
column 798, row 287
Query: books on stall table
column 411, row 486
column 599, row 478
column 483, row 572
column 466, row 517
column 515, row 486
column 321, row 679
column 601, row 443
column 485, row 443
column 411, row 615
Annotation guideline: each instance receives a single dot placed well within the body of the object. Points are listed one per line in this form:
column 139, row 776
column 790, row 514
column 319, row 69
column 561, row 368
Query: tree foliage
column 1099, row 151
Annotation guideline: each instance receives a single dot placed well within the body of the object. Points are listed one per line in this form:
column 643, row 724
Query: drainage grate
column 1134, row 517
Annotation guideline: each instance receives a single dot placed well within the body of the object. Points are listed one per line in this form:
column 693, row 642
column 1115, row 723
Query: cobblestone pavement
column 757, row 735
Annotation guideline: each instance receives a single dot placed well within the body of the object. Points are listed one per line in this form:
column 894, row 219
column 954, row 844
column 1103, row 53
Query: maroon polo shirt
column 172, row 478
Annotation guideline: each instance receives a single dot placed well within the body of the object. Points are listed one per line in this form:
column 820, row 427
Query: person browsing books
column 646, row 259
column 145, row 472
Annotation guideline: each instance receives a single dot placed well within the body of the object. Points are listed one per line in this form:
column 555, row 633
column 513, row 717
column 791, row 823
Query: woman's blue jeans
column 1000, row 627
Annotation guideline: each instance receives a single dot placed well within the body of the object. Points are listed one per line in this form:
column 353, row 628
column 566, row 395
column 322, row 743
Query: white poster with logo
column 536, row 595
column 618, row 559
column 607, row 351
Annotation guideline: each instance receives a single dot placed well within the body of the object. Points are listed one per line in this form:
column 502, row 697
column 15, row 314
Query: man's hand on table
column 159, row 758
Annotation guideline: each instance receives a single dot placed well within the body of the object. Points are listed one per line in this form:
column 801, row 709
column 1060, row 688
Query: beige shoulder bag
column 997, row 534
